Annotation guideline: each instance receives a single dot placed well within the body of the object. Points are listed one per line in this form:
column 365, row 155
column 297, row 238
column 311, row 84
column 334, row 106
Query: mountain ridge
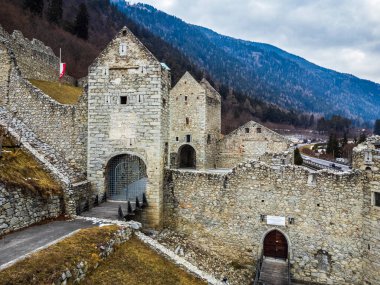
column 261, row 70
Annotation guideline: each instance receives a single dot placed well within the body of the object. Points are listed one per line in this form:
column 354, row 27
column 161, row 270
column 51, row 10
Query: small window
column 123, row 49
column 164, row 103
column 177, row 139
column 188, row 138
column 185, row 98
column 247, row 130
column 376, row 199
column 258, row 130
column 139, row 98
column 208, row 139
column 124, row 33
column 187, row 121
column 123, row 100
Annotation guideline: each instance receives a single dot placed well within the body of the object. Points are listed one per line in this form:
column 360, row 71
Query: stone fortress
column 237, row 196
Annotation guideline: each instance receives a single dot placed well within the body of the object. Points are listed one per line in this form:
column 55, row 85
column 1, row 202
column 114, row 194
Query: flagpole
column 60, row 61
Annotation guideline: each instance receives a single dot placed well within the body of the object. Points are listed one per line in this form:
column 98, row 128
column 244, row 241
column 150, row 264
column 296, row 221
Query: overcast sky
column 343, row 35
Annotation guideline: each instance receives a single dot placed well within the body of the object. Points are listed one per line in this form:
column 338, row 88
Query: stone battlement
column 34, row 59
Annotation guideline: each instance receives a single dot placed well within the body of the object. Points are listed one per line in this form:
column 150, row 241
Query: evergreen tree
column 81, row 22
column 311, row 121
column 298, row 160
column 344, row 140
column 35, row 6
column 376, row 129
column 333, row 146
column 362, row 138
column 54, row 12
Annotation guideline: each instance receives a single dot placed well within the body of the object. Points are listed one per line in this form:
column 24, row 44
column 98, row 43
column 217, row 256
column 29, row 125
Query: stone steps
column 274, row 272
column 41, row 150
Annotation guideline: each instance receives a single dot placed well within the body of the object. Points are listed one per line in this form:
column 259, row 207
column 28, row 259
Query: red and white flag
column 62, row 70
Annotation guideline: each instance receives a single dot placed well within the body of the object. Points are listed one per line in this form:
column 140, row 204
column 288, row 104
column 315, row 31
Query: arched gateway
column 275, row 245
column 126, row 178
column 186, row 157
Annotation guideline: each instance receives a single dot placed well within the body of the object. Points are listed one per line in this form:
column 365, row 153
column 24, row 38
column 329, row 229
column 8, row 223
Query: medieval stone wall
column 226, row 214
column 128, row 105
column 34, row 59
column 21, row 208
column 64, row 127
column 367, row 158
column 4, row 73
column 249, row 141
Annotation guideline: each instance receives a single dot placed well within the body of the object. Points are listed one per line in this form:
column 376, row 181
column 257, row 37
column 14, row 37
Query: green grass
column 18, row 168
column 63, row 93
column 136, row 263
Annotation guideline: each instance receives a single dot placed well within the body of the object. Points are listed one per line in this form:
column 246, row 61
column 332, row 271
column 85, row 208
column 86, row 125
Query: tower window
column 123, row 49
column 185, row 98
column 188, row 138
column 187, row 121
column 258, row 130
column 123, row 100
column 124, row 33
column 208, row 139
column 247, row 130
column 177, row 139
column 376, row 199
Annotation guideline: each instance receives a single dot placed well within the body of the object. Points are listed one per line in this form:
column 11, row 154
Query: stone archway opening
column 275, row 245
column 126, row 178
column 186, row 157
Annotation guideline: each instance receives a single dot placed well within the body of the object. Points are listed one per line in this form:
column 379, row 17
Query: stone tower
column 195, row 123
column 128, row 117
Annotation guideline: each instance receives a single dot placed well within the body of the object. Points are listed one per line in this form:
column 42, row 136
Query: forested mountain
column 261, row 70
column 104, row 20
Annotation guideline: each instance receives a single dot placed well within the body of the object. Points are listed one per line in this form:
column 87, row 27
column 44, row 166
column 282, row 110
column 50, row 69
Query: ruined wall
column 4, row 73
column 250, row 141
column 34, row 59
column 61, row 126
column 367, row 157
column 222, row 213
column 21, row 208
column 64, row 127
column 187, row 102
column 128, row 101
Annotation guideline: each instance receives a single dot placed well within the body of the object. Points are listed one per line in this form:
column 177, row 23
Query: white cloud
column 343, row 35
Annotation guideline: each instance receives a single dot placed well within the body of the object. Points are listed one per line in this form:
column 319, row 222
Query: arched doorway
column 275, row 245
column 126, row 178
column 186, row 157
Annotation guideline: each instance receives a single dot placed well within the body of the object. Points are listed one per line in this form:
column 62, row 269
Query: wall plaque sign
column 275, row 220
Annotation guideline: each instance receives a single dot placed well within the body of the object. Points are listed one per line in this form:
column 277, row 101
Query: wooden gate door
column 275, row 245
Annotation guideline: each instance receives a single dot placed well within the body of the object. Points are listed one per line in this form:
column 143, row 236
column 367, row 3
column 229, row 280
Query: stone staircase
column 42, row 151
column 274, row 272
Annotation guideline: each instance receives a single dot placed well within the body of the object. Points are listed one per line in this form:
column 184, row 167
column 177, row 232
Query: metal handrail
column 289, row 279
column 258, row 270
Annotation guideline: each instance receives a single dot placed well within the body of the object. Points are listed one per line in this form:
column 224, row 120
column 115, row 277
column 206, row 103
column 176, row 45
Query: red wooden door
column 275, row 245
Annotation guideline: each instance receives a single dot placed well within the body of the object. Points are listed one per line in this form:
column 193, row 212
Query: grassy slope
column 19, row 168
column 63, row 93
column 136, row 263
column 131, row 263
column 47, row 265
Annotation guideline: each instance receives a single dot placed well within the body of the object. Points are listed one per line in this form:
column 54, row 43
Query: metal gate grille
column 126, row 178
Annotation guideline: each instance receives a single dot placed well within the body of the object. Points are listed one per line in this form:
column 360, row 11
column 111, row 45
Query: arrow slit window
column 123, row 49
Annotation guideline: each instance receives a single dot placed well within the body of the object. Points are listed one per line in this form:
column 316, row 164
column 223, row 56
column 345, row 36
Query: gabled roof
column 123, row 33
column 211, row 92
column 204, row 85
